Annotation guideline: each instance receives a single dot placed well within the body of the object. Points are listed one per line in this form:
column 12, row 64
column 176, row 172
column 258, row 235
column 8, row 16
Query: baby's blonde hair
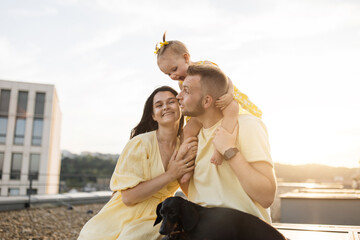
column 175, row 46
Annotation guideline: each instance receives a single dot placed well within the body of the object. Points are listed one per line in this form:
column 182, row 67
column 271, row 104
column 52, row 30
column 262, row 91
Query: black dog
column 185, row 220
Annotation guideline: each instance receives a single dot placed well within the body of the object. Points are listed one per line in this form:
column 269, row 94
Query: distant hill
column 99, row 164
column 78, row 171
column 104, row 156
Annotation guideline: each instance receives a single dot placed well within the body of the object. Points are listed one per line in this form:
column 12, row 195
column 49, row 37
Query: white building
column 30, row 120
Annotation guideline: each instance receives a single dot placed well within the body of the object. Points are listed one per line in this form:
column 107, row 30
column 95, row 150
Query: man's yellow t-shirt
column 213, row 185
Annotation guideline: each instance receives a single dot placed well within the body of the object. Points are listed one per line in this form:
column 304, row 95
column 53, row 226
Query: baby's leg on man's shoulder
column 192, row 128
column 231, row 113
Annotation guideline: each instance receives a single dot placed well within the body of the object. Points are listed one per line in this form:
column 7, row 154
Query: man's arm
column 257, row 178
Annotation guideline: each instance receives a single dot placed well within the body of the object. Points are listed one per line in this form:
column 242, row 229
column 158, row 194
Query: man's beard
column 197, row 111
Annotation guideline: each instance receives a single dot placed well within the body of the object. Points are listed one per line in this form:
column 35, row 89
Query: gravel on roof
column 46, row 223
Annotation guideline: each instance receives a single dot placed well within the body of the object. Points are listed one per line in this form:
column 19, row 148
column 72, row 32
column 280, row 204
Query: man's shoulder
column 249, row 121
column 243, row 118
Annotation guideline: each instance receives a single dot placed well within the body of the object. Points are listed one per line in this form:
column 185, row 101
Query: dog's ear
column 159, row 217
column 190, row 216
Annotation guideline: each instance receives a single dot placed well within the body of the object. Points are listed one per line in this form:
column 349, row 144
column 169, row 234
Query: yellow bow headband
column 161, row 45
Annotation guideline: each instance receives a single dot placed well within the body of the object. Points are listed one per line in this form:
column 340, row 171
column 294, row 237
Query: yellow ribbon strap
column 163, row 44
column 157, row 50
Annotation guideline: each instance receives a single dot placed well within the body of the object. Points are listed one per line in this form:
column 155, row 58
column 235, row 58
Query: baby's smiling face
column 175, row 66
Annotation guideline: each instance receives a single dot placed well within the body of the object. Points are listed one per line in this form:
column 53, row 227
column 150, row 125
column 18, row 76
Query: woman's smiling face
column 166, row 108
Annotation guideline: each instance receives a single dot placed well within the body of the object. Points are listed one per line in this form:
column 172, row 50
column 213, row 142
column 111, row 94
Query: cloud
column 293, row 19
column 290, row 57
column 350, row 132
column 42, row 12
column 102, row 38
column 17, row 64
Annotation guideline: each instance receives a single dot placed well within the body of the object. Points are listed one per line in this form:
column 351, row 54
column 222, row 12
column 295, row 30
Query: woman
column 146, row 172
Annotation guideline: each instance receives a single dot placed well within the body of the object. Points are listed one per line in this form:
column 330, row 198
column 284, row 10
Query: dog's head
column 177, row 215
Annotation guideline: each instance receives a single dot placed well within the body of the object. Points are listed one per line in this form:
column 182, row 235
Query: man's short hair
column 213, row 81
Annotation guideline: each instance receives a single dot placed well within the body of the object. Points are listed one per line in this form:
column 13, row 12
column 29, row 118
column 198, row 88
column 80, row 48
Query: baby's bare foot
column 216, row 158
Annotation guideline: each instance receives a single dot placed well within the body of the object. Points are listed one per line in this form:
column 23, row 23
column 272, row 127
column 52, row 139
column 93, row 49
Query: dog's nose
column 162, row 231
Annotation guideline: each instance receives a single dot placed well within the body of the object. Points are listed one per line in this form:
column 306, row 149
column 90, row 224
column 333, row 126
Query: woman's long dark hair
column 147, row 123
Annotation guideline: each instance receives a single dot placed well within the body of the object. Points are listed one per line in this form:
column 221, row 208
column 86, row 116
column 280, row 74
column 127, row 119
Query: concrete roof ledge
column 67, row 199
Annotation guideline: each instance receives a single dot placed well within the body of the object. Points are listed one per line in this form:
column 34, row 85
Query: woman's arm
column 145, row 190
column 179, row 164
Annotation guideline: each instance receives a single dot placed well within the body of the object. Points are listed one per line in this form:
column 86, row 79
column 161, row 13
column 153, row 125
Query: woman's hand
column 223, row 140
column 182, row 161
column 187, row 148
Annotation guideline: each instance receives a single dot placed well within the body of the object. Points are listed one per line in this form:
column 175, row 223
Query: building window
column 3, row 127
column 2, row 156
column 22, row 104
column 39, row 105
column 13, row 191
column 21, row 118
column 16, row 166
column 37, row 131
column 19, row 131
column 4, row 112
column 38, row 119
column 34, row 166
column 4, row 102
column 33, row 191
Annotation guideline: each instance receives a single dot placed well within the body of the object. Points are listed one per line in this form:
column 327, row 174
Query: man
column 246, row 179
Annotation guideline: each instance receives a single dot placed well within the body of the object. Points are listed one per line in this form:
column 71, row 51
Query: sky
column 298, row 60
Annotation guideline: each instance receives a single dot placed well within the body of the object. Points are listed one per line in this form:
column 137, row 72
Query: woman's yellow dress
column 140, row 161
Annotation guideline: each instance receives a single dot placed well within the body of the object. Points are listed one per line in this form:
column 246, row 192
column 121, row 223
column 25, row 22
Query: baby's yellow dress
column 245, row 105
column 140, row 161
